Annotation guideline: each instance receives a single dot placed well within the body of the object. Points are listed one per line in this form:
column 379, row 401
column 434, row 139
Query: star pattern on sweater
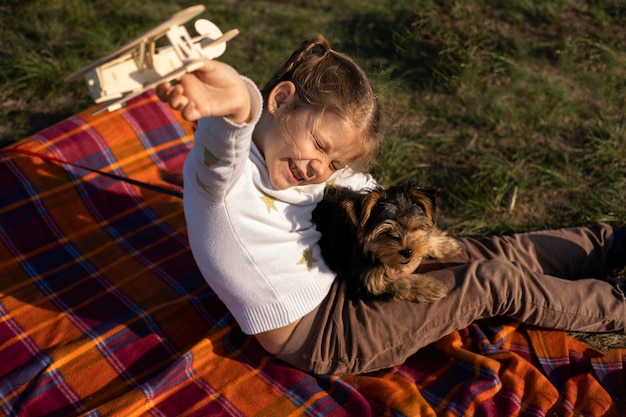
column 270, row 203
column 209, row 158
column 307, row 259
column 201, row 184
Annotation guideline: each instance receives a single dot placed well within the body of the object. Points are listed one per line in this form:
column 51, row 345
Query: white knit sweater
column 255, row 246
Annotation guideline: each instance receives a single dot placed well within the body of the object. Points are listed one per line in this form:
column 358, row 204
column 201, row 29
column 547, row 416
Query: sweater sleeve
column 220, row 150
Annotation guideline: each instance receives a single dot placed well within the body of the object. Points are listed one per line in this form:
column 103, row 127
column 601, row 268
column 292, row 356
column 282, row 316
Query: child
column 258, row 167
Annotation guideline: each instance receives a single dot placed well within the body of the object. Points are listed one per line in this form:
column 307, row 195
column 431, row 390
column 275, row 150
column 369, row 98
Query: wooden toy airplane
column 138, row 66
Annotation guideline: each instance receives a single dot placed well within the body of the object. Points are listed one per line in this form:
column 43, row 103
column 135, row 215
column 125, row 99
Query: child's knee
column 504, row 284
column 499, row 269
column 500, row 275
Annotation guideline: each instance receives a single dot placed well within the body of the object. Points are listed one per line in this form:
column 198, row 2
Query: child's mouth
column 295, row 171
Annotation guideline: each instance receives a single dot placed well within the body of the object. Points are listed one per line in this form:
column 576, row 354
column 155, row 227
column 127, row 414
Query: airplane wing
column 177, row 19
column 118, row 103
column 189, row 67
column 216, row 47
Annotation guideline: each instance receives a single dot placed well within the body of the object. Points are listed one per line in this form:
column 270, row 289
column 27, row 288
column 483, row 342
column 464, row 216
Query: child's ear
column 282, row 94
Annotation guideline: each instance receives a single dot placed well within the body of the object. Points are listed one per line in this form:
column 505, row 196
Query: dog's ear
column 367, row 203
column 348, row 205
column 359, row 210
column 427, row 199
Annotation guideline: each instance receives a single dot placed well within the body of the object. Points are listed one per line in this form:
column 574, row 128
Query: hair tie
column 319, row 50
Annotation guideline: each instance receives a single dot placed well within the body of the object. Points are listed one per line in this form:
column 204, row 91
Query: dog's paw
column 443, row 246
column 428, row 290
column 418, row 289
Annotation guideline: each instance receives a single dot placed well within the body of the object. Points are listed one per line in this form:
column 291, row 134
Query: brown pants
column 514, row 276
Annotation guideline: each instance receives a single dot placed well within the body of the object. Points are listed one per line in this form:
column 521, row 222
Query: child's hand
column 216, row 89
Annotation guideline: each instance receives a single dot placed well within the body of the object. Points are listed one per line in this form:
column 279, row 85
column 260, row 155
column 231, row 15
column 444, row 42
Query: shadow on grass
column 423, row 57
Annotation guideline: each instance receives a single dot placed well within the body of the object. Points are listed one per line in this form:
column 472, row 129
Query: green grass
column 515, row 109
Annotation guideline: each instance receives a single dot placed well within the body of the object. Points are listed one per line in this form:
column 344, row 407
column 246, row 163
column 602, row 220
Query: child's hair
column 327, row 80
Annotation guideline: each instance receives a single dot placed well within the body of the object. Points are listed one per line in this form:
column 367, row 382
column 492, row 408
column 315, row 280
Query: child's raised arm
column 216, row 89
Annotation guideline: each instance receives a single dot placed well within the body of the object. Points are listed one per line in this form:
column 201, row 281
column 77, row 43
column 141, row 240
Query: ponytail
column 314, row 48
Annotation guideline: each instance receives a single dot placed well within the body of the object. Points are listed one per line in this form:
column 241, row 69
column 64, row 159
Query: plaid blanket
column 103, row 312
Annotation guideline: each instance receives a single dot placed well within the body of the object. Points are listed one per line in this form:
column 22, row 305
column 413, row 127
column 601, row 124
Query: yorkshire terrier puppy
column 376, row 240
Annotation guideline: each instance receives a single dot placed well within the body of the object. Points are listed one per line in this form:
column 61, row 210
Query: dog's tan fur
column 391, row 231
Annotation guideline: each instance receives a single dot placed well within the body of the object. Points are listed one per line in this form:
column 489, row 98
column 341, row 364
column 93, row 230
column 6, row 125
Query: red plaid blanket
column 103, row 312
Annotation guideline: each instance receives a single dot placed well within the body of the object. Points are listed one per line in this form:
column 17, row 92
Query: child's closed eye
column 318, row 144
column 336, row 165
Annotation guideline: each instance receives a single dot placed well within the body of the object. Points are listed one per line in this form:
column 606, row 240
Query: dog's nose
column 407, row 253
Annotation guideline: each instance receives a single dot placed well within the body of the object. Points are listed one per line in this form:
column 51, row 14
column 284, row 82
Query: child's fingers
column 190, row 112
column 177, row 98
column 173, row 95
column 163, row 91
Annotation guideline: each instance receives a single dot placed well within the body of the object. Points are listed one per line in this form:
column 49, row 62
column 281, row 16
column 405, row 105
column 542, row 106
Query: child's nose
column 319, row 169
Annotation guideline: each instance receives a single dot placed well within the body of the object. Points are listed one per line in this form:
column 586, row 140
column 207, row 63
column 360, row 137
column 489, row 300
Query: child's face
column 310, row 153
